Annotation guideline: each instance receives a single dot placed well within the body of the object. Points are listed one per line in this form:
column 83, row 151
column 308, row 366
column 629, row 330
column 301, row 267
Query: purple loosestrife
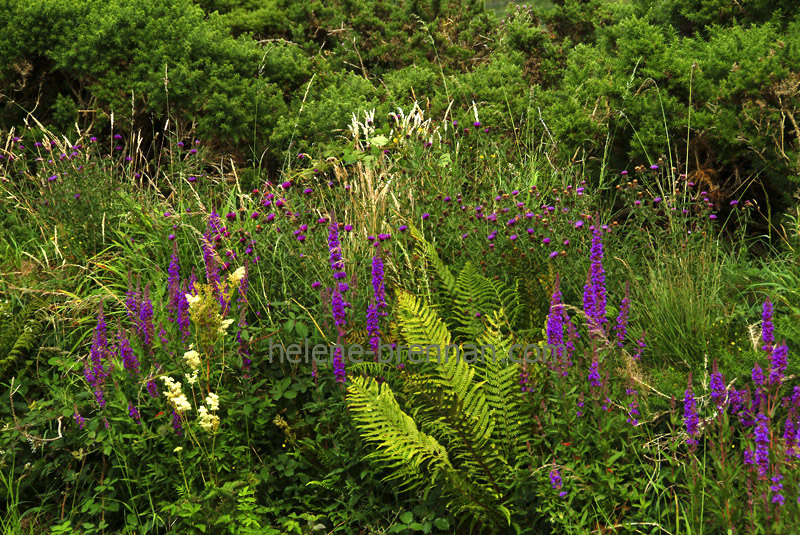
column 556, row 482
column 758, row 382
column 777, row 490
column 174, row 284
column 777, row 363
column 176, row 423
column 762, row 444
column 621, row 327
column 690, row 418
column 594, row 374
column 95, row 371
column 133, row 412
column 126, row 354
column 555, row 320
column 594, row 293
column 146, row 328
column 640, row 347
column 79, row 419
column 335, row 250
column 719, row 392
column 152, row 387
column 790, row 435
column 767, row 328
column 524, row 377
column 633, row 407
column 373, row 329
column 377, row 283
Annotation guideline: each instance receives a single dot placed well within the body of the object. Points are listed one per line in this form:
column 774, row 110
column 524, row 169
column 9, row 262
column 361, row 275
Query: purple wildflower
column 594, row 373
column 633, row 407
column 777, row 488
column 622, row 319
column 146, row 328
column 556, row 482
column 79, row 419
column 719, row 392
column 176, row 423
column 377, row 283
column 777, row 364
column 152, row 388
column 762, row 444
column 335, row 250
column 126, row 354
column 790, row 435
column 173, row 284
column 133, row 412
column 690, row 418
column 555, row 320
column 767, row 328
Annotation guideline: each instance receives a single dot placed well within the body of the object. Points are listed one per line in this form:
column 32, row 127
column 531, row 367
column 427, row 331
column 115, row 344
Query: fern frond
column 428, row 250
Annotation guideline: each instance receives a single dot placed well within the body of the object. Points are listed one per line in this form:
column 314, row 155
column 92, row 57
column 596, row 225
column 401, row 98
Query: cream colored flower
column 213, row 401
column 192, row 358
column 236, row 277
column 224, row 325
column 191, row 379
column 209, row 422
column 193, row 300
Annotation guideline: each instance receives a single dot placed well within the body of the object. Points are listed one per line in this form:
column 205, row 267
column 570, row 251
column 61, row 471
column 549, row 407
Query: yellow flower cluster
column 208, row 421
column 175, row 396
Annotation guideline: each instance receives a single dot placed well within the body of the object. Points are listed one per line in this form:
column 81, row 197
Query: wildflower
column 594, row 373
column 633, row 407
column 719, row 392
column 129, row 360
column 209, row 422
column 146, row 318
column 556, row 482
column 622, row 319
column 192, row 358
column 777, row 364
column 95, row 372
column 776, row 488
column 640, row 347
column 790, row 435
column 335, row 250
column 762, row 444
column 377, row 282
column 212, row 400
column 425, row 216
column 79, row 419
column 690, row 418
column 133, row 412
column 555, row 320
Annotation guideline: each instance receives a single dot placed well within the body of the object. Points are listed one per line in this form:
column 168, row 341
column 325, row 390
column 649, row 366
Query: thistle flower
column 690, row 418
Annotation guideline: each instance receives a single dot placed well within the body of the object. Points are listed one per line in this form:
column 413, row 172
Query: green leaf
column 407, row 517
column 441, row 523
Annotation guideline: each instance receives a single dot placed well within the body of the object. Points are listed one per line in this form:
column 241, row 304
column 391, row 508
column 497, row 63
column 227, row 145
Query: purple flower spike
column 690, row 418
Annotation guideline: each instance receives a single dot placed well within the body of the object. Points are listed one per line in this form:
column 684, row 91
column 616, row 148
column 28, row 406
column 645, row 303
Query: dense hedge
column 618, row 84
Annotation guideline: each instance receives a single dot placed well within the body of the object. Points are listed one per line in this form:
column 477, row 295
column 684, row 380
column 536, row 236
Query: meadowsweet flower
column 192, row 359
column 212, row 400
column 690, row 418
column 209, row 422
column 223, row 327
